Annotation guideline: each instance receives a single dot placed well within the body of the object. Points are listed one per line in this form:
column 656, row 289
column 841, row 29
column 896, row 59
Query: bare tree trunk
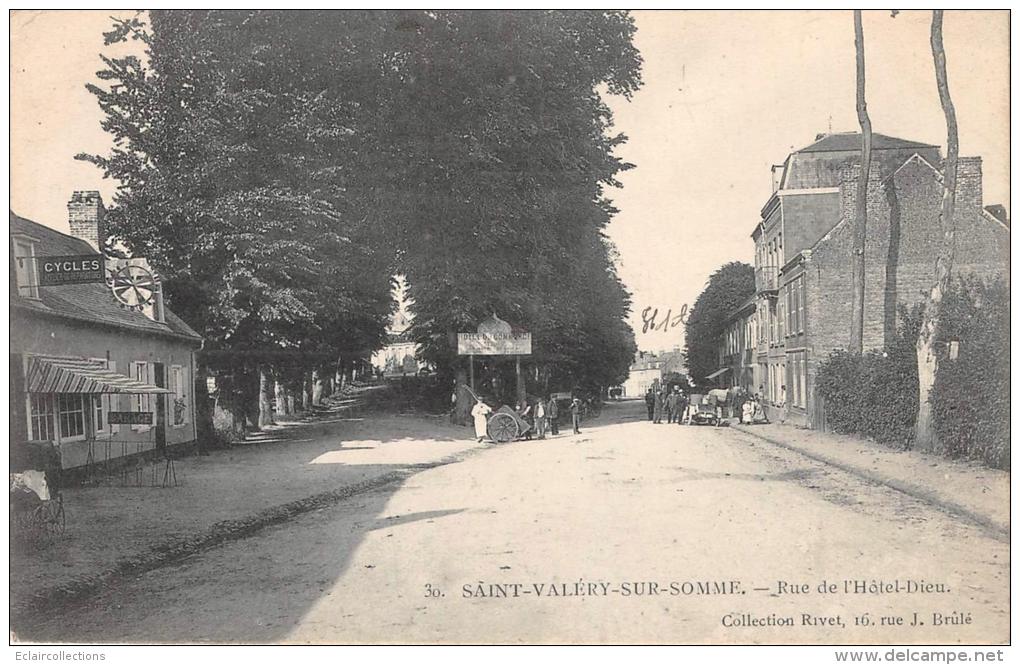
column 927, row 360
column 307, row 382
column 861, row 203
column 265, row 398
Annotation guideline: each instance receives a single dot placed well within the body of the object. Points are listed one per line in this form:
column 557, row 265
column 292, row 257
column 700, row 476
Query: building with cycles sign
column 100, row 369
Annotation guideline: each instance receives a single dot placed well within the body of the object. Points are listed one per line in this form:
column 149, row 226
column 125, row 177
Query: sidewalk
column 287, row 469
column 969, row 490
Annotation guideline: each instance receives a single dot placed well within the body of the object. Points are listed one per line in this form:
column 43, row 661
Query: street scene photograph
column 510, row 327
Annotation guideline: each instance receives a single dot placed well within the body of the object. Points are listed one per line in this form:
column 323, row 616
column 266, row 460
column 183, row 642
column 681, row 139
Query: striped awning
column 57, row 374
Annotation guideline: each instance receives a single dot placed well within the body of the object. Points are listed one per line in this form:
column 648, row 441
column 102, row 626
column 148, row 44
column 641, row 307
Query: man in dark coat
column 552, row 414
column 650, row 402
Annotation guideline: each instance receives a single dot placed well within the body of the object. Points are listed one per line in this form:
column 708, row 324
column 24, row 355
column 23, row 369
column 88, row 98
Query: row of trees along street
column 279, row 168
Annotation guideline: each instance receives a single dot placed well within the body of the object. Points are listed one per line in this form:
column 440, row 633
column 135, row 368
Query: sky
column 727, row 94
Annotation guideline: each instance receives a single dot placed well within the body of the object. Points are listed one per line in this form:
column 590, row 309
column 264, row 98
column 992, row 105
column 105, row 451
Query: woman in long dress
column 480, row 412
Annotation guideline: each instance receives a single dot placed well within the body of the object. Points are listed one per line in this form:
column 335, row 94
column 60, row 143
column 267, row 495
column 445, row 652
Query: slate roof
column 818, row 165
column 85, row 302
column 847, row 141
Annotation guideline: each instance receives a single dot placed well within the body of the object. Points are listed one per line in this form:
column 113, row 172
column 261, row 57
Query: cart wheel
column 57, row 519
column 39, row 518
column 502, row 428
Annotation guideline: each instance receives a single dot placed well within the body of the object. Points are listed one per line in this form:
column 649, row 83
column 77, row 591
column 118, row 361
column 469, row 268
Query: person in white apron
column 480, row 412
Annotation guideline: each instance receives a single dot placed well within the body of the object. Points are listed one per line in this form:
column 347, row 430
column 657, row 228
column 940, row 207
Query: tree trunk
column 238, row 412
column 338, row 375
column 203, row 411
column 927, row 360
column 252, row 399
column 465, row 401
column 265, row 398
column 280, row 396
column 861, row 203
column 288, row 399
column 307, row 381
column 318, row 387
column 521, row 391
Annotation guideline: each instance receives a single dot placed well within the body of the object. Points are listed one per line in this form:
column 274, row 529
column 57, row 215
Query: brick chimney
column 968, row 183
column 85, row 215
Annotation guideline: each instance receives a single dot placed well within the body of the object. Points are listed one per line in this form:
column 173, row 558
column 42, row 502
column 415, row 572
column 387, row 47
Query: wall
column 639, row 381
column 35, row 334
column 903, row 239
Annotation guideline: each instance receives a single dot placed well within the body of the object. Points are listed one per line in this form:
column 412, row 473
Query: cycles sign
column 81, row 269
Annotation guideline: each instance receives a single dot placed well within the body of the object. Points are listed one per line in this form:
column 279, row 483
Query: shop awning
column 56, row 374
column 717, row 372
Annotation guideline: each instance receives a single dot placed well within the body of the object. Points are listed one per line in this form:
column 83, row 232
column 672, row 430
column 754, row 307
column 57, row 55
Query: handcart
column 506, row 425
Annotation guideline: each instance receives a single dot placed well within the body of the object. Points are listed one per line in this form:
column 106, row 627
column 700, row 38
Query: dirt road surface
column 630, row 532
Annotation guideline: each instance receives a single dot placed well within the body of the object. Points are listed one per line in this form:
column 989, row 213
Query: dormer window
column 23, row 253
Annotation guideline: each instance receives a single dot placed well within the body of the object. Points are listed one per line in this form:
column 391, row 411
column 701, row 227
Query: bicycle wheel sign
column 133, row 286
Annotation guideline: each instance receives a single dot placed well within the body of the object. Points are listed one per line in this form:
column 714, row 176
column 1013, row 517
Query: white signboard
column 494, row 344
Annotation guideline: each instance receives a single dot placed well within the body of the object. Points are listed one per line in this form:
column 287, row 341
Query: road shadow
column 108, row 523
column 270, row 584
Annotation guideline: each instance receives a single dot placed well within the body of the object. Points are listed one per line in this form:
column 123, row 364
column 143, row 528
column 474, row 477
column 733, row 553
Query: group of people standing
column 673, row 403
column 542, row 416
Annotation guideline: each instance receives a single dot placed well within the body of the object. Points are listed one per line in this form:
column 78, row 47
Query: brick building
column 78, row 353
column 803, row 252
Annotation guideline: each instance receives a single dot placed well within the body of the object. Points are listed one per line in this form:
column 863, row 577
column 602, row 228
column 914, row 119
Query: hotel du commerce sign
column 494, row 338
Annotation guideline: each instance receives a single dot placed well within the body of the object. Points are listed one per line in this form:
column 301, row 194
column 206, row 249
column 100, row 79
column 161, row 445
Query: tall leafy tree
column 500, row 167
column 727, row 288
column 235, row 146
column 467, row 150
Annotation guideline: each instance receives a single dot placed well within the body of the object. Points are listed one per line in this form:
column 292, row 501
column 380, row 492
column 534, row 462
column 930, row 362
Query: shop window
column 71, row 415
column 25, row 268
column 141, row 403
column 41, row 417
column 98, row 420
